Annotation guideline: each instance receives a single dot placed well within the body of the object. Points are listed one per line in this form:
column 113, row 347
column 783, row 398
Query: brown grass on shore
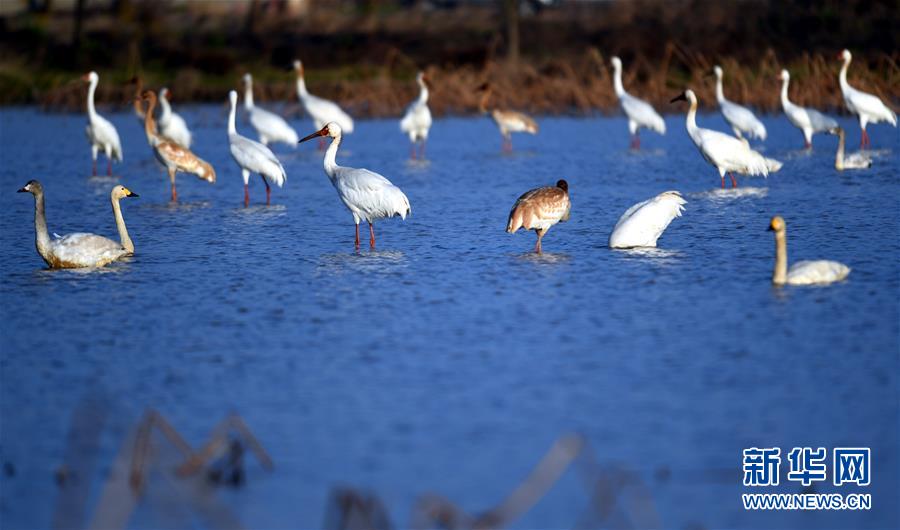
column 579, row 85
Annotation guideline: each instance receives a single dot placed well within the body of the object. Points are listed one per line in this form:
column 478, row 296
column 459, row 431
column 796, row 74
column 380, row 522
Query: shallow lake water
column 449, row 359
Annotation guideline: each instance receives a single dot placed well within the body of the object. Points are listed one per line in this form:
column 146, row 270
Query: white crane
column 810, row 121
column 319, row 109
column 417, row 120
column 802, row 272
column 171, row 125
column 869, row 108
column 726, row 153
column 270, row 127
column 366, row 194
column 642, row 224
column 741, row 119
column 253, row 157
column 640, row 113
column 100, row 132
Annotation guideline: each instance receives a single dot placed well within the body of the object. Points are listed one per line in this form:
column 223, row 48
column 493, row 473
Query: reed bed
column 580, row 85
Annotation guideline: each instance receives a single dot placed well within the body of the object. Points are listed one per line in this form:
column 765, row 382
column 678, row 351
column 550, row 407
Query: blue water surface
column 449, row 359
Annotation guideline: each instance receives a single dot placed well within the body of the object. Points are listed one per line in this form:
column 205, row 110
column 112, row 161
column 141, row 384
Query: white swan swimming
column 642, row 224
column 79, row 249
column 851, row 161
column 802, row 272
column 539, row 209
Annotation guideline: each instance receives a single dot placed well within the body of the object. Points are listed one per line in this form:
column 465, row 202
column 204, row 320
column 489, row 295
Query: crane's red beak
column 321, row 132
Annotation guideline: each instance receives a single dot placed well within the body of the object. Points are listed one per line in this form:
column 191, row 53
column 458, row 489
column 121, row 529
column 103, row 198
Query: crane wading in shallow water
column 508, row 121
column 170, row 154
column 726, row 153
column 740, row 118
column 809, row 121
column 100, row 132
column 539, row 209
column 365, row 193
column 640, row 113
column 253, row 157
column 269, row 126
column 417, row 120
column 319, row 109
column 868, row 107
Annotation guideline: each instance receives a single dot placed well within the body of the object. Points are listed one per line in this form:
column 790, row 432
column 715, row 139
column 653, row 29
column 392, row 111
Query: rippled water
column 450, row 358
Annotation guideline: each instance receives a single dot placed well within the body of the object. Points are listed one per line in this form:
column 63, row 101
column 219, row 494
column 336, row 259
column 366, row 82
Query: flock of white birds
column 371, row 197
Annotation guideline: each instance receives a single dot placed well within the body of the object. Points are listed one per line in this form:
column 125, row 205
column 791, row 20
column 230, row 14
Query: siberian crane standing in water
column 253, row 157
column 640, row 113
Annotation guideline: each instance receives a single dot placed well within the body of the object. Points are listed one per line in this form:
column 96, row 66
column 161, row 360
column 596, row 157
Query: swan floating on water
column 269, row 126
column 640, row 113
column 868, row 107
column 726, row 153
column 852, row 161
column 508, row 121
column 802, row 272
column 539, row 209
column 642, row 224
column 100, row 132
column 365, row 193
column 172, row 125
column 253, row 157
column 741, row 119
column 417, row 120
column 172, row 155
column 79, row 249
column 810, row 121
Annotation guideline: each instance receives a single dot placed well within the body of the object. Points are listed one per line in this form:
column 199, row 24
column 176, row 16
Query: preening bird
column 319, row 109
column 416, row 121
column 171, row 125
column 539, row 209
column 100, row 132
column 642, row 224
column 868, row 107
column 508, row 121
column 726, row 153
column 253, row 157
column 79, row 249
column 740, row 118
column 802, row 272
column 269, row 126
column 173, row 156
column 853, row 161
column 810, row 121
column 365, row 193
column 640, row 113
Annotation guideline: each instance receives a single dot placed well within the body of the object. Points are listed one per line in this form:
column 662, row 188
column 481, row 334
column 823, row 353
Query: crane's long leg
column 412, row 150
column 371, row 236
column 246, row 174
column 635, row 141
column 865, row 143
column 357, row 235
column 733, row 182
column 537, row 246
column 172, row 180
column 422, row 154
column 722, row 176
column 268, row 190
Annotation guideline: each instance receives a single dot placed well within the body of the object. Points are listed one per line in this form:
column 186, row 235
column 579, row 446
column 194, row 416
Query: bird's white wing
column 323, row 111
column 371, row 193
column 272, row 126
column 869, row 104
column 104, row 132
column 820, row 122
column 418, row 116
column 643, row 113
column 85, row 250
column 821, row 271
column 176, row 129
column 744, row 119
column 727, row 151
column 257, row 158
column 643, row 224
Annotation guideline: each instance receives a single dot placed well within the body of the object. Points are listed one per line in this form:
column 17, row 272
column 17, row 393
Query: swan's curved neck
column 330, row 162
column 784, row 92
column 843, row 76
column 839, row 156
column 779, row 275
column 720, row 94
column 90, row 98
column 423, row 92
column 41, row 236
column 231, row 128
column 165, row 109
column 617, row 81
column 120, row 224
column 248, row 95
column 301, row 86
